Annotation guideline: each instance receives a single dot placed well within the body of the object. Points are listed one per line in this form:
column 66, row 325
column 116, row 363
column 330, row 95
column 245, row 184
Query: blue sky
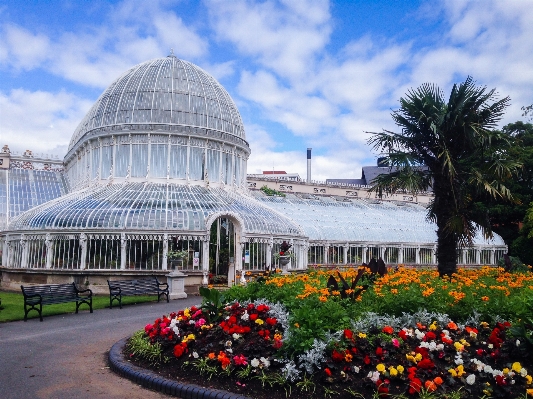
column 303, row 73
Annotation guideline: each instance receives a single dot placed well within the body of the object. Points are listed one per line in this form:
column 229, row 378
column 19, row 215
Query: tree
column 509, row 220
column 463, row 158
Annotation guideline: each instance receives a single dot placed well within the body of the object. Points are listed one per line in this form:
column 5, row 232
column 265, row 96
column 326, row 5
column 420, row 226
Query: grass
column 12, row 307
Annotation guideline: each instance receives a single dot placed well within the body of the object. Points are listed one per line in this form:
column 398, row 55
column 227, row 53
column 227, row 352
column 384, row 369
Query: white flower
column 228, row 344
column 440, row 347
column 236, row 336
column 254, row 363
column 517, row 342
column 374, row 376
column 229, row 350
column 419, row 334
column 195, row 355
column 488, row 369
column 490, row 346
column 245, row 316
column 471, row 379
column 523, row 372
column 355, row 369
column 265, row 362
column 511, row 382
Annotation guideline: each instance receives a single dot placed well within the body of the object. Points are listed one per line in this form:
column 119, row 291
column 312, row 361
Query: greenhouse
column 154, row 180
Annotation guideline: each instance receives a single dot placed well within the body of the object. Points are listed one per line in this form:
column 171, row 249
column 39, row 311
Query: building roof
column 164, row 91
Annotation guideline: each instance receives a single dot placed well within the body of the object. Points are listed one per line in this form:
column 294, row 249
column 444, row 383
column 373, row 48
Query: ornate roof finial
column 171, row 52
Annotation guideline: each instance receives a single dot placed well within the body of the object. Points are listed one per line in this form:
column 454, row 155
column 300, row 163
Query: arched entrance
column 221, row 250
column 225, row 249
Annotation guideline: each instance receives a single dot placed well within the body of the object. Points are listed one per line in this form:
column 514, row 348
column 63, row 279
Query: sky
column 304, row 74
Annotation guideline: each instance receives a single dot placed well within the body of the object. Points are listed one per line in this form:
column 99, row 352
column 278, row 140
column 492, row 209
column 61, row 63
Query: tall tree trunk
column 446, row 240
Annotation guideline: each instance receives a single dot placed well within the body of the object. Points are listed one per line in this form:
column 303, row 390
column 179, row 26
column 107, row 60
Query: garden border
column 149, row 379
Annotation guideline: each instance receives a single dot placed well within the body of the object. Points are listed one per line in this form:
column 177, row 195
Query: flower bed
column 249, row 345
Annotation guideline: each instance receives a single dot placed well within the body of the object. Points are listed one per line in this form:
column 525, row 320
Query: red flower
column 348, row 334
column 415, row 385
column 180, row 349
column 388, row 330
column 500, row 380
column 253, row 317
column 271, row 320
column 403, row 335
column 327, row 371
column 263, row 308
column 379, row 351
column 366, row 360
column 430, row 335
column 425, row 364
column 337, row 356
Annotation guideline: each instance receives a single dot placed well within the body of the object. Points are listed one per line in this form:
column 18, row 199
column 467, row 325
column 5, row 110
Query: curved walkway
column 66, row 356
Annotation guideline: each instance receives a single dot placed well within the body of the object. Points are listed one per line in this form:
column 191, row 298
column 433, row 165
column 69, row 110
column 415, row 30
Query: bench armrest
column 29, row 296
column 159, row 285
column 87, row 290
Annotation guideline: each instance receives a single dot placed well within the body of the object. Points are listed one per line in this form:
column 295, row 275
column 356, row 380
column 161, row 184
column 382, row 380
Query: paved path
column 65, row 356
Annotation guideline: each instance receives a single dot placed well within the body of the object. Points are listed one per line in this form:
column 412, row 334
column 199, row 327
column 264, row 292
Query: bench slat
column 38, row 295
column 120, row 288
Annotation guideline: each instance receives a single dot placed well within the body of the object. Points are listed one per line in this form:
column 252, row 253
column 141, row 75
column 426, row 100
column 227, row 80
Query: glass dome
column 166, row 91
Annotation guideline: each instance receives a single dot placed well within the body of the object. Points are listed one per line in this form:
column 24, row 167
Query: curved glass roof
column 153, row 207
column 359, row 220
column 165, row 91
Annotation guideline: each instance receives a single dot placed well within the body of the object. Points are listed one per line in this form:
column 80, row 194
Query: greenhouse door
column 221, row 251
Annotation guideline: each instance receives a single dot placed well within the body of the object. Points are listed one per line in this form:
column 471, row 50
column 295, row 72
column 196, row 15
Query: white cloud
column 95, row 55
column 284, row 37
column 22, row 48
column 40, row 121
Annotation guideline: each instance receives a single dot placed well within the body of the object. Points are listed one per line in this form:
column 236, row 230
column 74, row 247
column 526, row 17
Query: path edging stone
column 149, row 379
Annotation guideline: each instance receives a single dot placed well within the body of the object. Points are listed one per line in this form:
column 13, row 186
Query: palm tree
column 452, row 148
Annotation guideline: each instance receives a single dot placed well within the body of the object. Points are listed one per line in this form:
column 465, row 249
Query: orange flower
column 485, row 298
column 452, row 326
column 430, row 386
column 438, row 380
column 211, row 355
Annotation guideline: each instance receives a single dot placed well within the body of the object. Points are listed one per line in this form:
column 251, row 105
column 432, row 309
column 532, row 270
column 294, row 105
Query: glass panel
column 196, row 160
column 139, row 164
column 122, row 154
column 95, row 162
column 213, row 165
column 107, row 161
column 178, row 162
column 158, row 160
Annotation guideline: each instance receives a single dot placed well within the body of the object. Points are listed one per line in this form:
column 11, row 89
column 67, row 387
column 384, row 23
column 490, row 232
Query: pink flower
column 199, row 323
column 396, row 343
column 239, row 360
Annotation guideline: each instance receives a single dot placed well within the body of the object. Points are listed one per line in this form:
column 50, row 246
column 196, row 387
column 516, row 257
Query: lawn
column 338, row 334
column 12, row 307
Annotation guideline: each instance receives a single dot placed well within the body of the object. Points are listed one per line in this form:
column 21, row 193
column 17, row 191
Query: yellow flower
column 400, row 368
column 433, row 326
column 187, row 312
column 278, row 336
column 505, row 370
column 452, row 372
column 529, row 392
column 516, row 367
column 418, row 357
column 460, row 370
column 380, row 367
column 362, row 335
column 528, row 379
column 458, row 346
column 259, row 321
column 411, row 358
column 393, row 372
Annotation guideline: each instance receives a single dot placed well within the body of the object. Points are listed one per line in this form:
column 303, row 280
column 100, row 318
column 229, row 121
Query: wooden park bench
column 36, row 296
column 144, row 286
